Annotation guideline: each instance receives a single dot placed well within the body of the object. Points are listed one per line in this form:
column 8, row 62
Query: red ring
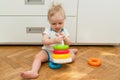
column 61, row 51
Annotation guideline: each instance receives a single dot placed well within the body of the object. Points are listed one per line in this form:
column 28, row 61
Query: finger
column 57, row 35
column 61, row 33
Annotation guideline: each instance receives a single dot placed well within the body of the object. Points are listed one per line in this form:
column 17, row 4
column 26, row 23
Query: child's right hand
column 58, row 40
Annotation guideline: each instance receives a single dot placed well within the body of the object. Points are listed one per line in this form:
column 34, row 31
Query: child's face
column 57, row 22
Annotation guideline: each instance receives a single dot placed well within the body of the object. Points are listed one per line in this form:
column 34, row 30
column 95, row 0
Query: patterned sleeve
column 46, row 31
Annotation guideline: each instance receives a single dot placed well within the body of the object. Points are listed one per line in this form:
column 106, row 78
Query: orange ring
column 94, row 62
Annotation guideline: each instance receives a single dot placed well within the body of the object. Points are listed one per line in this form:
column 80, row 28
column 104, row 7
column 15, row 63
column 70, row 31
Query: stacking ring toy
column 60, row 51
column 54, row 65
column 61, row 56
column 94, row 62
column 60, row 47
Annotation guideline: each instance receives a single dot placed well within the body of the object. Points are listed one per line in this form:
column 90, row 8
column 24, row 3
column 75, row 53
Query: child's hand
column 59, row 38
column 60, row 35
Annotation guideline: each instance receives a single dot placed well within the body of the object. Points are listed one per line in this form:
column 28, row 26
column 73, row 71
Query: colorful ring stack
column 61, row 54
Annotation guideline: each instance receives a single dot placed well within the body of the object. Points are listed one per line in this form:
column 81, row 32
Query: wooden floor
column 14, row 59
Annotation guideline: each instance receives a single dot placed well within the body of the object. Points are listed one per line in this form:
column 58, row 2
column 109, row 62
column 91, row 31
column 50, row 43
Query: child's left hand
column 60, row 35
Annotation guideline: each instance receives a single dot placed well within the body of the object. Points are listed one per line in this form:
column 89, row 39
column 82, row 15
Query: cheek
column 52, row 26
column 62, row 25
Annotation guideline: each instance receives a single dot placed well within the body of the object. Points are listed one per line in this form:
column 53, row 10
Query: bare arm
column 48, row 41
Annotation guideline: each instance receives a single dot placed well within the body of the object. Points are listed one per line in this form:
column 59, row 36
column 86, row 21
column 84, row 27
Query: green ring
column 60, row 47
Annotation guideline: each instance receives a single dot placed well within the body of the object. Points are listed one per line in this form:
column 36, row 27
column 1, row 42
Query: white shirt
column 52, row 34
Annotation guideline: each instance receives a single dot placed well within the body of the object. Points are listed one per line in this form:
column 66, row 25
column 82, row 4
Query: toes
column 22, row 74
column 29, row 75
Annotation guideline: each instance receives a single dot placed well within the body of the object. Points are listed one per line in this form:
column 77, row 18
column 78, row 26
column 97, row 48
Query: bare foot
column 74, row 50
column 29, row 74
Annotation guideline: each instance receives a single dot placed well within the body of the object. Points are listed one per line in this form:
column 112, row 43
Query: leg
column 39, row 58
column 73, row 52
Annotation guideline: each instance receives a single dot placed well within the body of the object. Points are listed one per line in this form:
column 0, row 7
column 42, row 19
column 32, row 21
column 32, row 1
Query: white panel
column 70, row 6
column 13, row 28
column 98, row 21
column 70, row 24
column 18, row 7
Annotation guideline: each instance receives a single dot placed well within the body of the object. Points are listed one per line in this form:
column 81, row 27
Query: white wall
column 98, row 22
column 15, row 16
column 18, row 7
column 88, row 21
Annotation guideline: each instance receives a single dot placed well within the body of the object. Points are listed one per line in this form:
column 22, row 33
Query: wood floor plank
column 14, row 59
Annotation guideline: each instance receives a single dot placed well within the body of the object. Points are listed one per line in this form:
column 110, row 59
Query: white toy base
column 62, row 61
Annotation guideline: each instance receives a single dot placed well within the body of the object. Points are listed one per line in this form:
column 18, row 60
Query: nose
column 57, row 25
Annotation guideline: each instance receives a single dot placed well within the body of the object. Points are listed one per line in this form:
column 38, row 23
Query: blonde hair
column 56, row 8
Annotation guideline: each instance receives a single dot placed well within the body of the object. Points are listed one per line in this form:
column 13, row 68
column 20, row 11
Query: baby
column 55, row 34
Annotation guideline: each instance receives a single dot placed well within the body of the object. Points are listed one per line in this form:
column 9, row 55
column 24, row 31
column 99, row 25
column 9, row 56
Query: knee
column 41, row 56
column 75, row 50
column 73, row 57
column 37, row 56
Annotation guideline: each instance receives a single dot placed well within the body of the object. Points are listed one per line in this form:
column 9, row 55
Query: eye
column 61, row 23
column 53, row 23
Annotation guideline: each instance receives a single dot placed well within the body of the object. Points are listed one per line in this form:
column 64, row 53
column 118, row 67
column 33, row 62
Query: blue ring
column 54, row 65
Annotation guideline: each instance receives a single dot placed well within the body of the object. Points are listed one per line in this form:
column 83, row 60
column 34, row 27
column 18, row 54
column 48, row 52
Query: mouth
column 57, row 29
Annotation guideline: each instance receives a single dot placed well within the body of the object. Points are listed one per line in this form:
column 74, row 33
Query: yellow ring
column 60, row 56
